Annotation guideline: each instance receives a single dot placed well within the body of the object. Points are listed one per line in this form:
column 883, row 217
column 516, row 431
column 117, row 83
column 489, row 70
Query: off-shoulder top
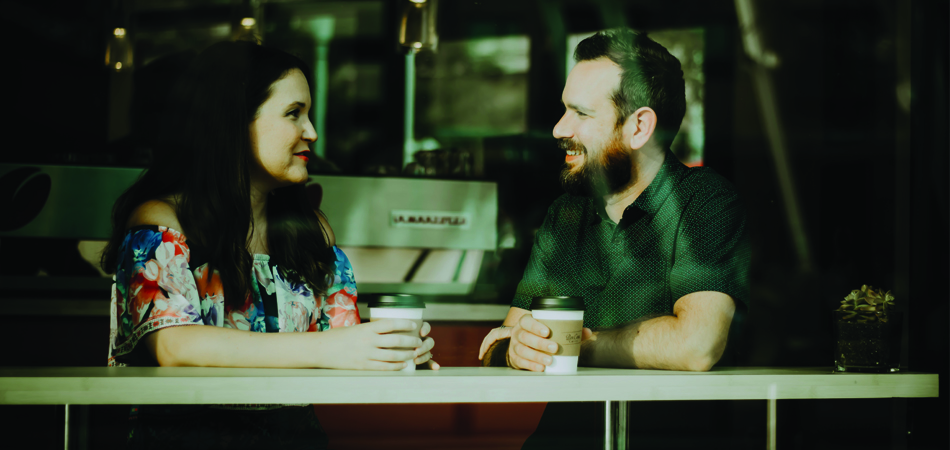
column 163, row 282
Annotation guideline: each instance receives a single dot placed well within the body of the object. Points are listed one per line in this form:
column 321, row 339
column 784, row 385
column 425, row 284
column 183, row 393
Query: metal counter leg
column 615, row 425
column 772, row 403
column 66, row 429
column 621, row 428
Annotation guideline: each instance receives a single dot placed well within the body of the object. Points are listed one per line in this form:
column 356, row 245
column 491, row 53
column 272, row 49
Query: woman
column 219, row 233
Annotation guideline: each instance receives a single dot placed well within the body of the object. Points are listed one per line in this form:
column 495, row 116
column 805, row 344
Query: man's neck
column 648, row 165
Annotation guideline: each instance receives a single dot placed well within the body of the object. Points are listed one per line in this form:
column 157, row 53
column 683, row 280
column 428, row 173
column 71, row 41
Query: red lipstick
column 304, row 155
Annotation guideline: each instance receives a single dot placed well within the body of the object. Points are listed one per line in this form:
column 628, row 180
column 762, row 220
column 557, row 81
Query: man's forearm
column 613, row 347
column 648, row 343
column 692, row 338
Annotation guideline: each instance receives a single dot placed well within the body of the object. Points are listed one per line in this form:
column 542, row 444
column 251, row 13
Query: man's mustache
column 569, row 144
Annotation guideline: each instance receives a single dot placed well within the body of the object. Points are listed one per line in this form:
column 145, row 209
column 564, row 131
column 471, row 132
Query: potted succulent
column 867, row 332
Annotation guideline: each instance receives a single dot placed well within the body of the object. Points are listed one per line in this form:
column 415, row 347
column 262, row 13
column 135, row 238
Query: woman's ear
column 639, row 127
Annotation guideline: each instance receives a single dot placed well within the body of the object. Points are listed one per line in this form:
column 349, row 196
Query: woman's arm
column 363, row 347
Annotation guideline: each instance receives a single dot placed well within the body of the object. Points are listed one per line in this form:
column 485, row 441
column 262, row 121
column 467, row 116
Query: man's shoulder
column 705, row 182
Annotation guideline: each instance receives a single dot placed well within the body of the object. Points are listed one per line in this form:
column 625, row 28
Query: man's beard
column 609, row 172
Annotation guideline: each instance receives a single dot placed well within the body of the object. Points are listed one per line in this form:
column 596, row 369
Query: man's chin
column 575, row 183
column 573, row 170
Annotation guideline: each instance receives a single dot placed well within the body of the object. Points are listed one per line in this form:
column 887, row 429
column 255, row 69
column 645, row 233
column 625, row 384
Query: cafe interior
column 435, row 165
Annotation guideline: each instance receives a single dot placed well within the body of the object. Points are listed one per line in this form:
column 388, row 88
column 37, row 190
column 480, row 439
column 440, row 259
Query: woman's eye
column 294, row 112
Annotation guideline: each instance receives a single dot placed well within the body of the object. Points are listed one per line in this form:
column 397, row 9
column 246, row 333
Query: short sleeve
column 712, row 249
column 154, row 288
column 339, row 309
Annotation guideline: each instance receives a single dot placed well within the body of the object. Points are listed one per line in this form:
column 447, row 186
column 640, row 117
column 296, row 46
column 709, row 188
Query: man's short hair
column 650, row 76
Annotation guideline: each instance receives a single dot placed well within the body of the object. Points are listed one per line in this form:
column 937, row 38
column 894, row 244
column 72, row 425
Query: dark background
column 871, row 178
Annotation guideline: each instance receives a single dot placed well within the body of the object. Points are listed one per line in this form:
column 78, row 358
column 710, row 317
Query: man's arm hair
column 693, row 338
column 613, row 346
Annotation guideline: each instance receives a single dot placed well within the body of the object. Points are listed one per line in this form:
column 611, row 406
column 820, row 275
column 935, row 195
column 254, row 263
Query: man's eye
column 581, row 114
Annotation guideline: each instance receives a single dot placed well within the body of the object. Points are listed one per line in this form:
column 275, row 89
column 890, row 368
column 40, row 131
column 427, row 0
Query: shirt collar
column 651, row 198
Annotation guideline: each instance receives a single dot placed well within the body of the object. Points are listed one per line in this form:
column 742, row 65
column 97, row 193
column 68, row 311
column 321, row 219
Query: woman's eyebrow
column 299, row 104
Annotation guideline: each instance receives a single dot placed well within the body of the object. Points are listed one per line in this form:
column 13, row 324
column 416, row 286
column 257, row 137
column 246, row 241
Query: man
column 656, row 249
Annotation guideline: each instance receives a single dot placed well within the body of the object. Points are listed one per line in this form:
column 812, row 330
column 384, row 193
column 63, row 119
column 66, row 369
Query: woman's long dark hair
column 204, row 158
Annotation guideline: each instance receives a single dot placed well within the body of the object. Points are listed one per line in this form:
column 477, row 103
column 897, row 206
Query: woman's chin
column 291, row 181
column 299, row 177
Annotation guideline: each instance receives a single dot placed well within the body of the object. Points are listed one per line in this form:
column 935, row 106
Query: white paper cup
column 392, row 311
column 566, row 329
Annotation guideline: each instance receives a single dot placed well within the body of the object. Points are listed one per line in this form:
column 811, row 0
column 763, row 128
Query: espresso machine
column 402, row 235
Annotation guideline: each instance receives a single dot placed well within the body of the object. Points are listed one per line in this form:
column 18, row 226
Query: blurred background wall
column 858, row 90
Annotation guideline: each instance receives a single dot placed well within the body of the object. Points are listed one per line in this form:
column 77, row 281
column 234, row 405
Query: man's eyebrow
column 578, row 108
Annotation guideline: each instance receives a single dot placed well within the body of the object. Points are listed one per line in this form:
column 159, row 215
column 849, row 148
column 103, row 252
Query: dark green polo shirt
column 685, row 233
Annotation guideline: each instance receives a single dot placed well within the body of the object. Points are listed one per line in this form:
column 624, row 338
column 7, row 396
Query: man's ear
column 639, row 127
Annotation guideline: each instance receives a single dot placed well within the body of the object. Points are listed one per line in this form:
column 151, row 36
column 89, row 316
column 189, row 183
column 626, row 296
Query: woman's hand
column 370, row 346
column 424, row 353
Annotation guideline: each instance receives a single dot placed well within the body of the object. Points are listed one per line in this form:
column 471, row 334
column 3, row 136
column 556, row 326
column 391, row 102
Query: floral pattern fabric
column 158, row 285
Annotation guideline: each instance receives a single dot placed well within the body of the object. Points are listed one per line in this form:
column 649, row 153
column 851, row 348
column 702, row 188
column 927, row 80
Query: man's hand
column 495, row 335
column 530, row 349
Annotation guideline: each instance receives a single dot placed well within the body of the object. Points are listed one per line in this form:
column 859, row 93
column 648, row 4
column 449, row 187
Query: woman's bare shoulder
column 155, row 212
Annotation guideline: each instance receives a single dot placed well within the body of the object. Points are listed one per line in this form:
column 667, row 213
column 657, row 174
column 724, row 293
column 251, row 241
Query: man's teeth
column 573, row 153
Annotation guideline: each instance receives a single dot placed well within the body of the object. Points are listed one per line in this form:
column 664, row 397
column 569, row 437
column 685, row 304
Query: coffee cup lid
column 558, row 303
column 395, row 301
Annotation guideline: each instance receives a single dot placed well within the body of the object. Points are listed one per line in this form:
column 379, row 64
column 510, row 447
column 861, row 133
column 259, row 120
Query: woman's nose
column 309, row 133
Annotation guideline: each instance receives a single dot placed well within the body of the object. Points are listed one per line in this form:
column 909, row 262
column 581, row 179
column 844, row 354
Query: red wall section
column 436, row 425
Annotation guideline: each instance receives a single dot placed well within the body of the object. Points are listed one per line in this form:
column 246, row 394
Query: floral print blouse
column 161, row 282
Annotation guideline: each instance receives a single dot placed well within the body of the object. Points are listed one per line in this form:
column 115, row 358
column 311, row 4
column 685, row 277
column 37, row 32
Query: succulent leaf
column 867, row 304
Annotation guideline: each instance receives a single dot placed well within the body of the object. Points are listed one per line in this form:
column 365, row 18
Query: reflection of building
column 474, row 88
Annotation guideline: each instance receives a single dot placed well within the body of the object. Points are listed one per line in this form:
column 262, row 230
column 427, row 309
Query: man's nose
column 562, row 128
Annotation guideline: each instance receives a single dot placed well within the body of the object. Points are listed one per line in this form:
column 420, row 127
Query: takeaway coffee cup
column 398, row 306
column 565, row 317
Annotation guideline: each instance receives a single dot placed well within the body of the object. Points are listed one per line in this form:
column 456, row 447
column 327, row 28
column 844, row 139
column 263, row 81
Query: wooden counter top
column 190, row 385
